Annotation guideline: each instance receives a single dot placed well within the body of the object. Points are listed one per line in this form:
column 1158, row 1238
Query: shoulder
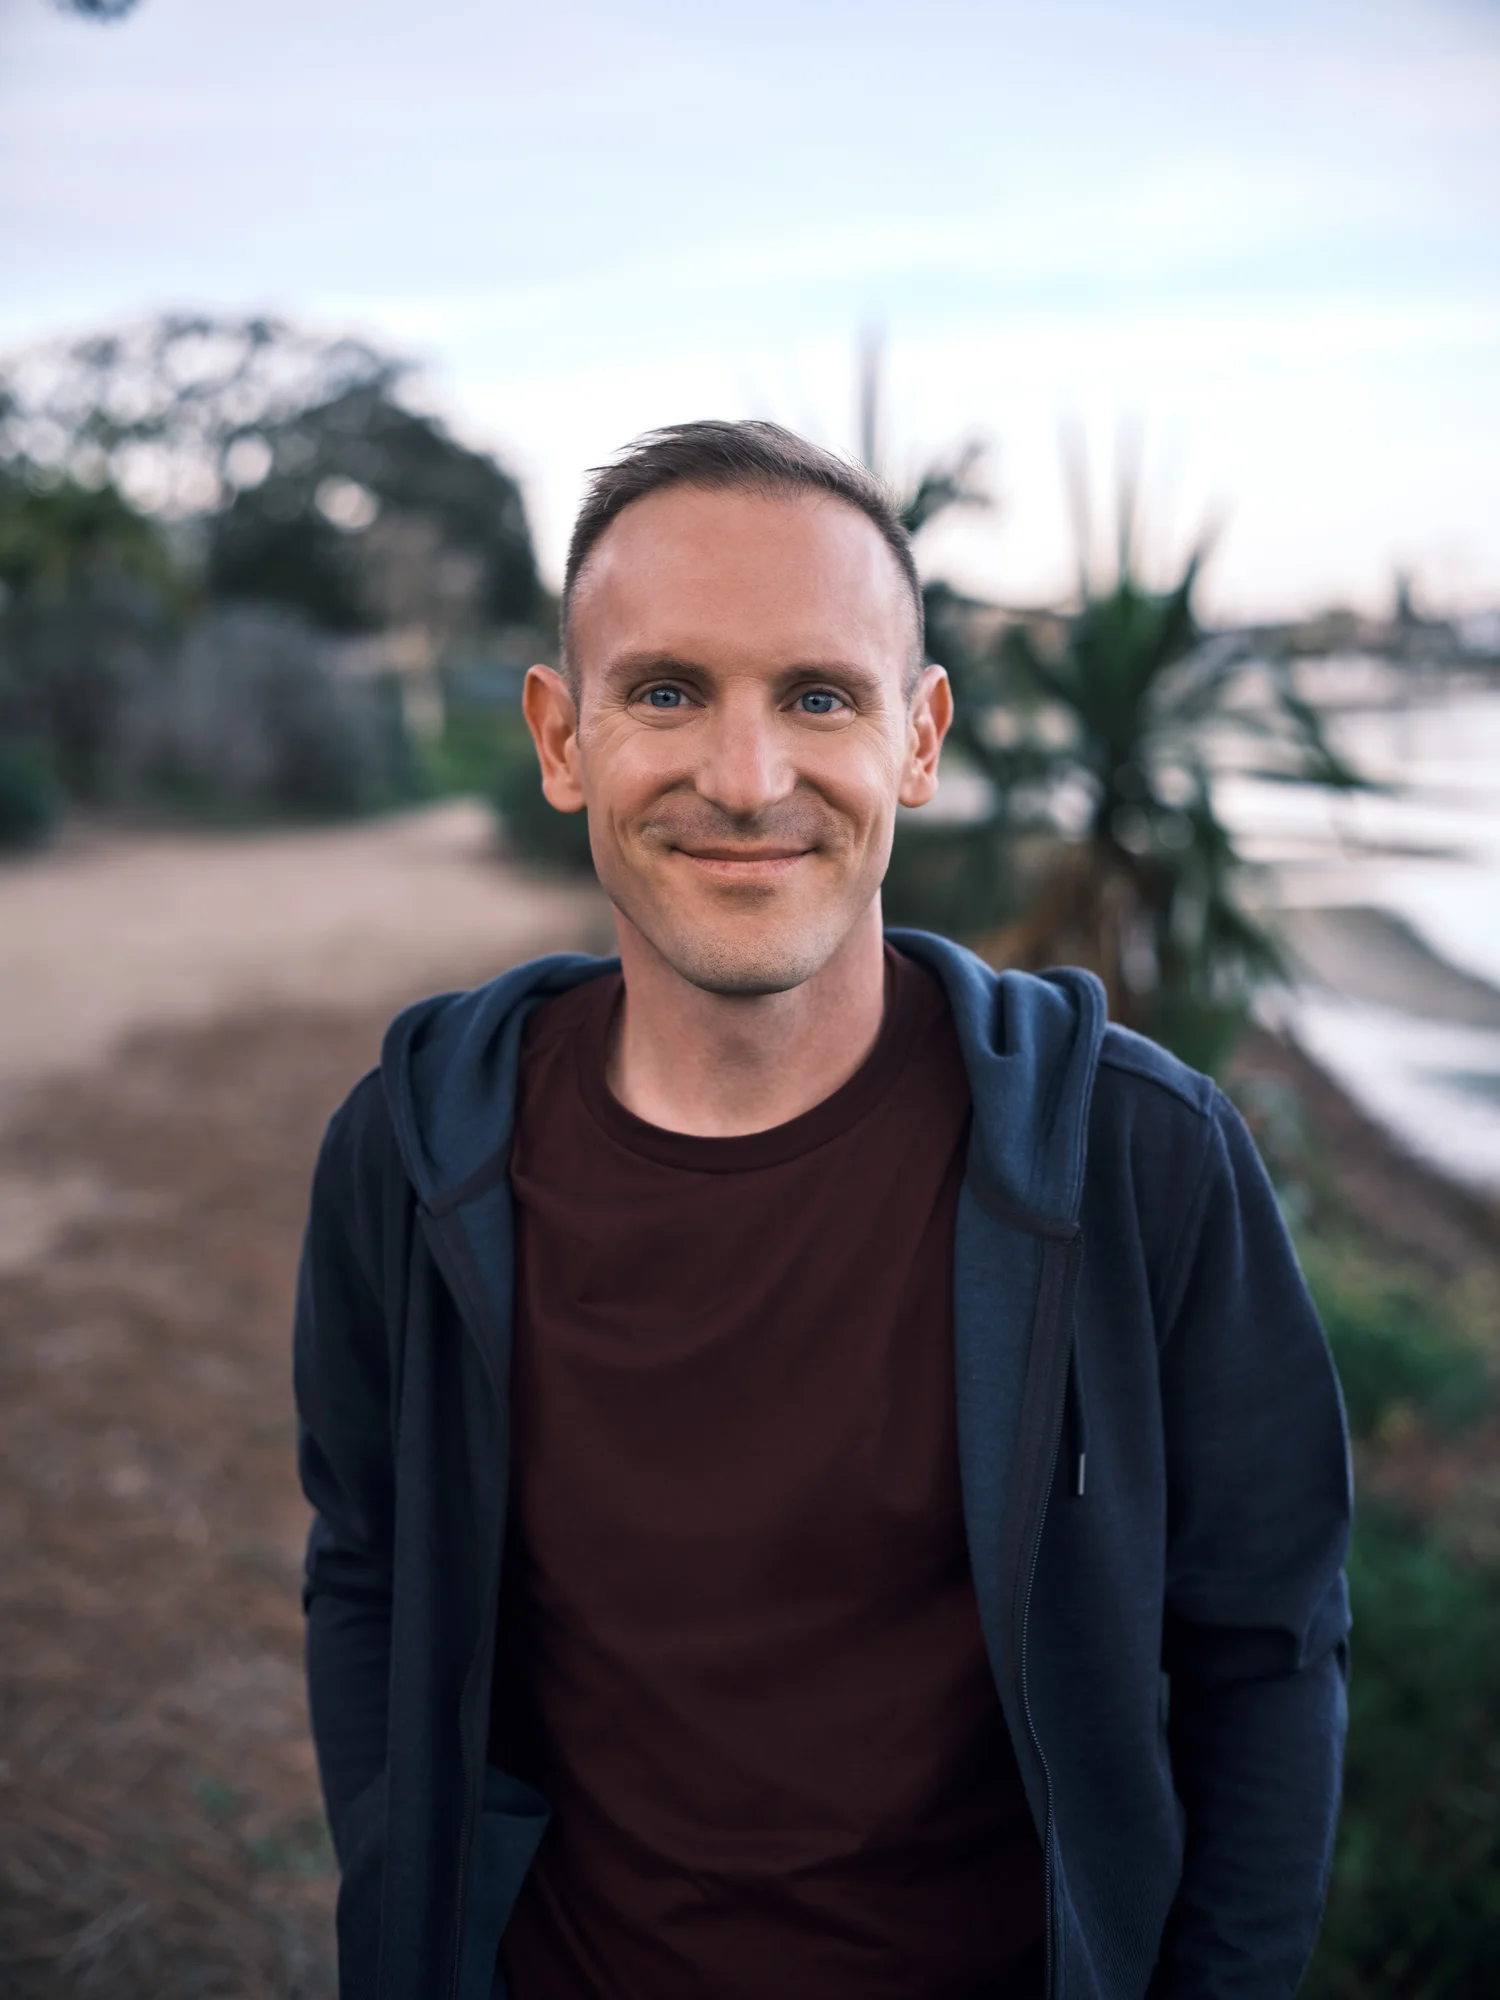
column 1162, row 1139
column 360, row 1132
column 1144, row 1097
column 1142, row 1071
column 360, row 1184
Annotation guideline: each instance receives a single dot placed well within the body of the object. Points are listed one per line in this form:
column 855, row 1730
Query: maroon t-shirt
column 740, row 1650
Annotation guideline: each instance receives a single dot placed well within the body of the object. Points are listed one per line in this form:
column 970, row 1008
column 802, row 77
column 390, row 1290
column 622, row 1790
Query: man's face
column 743, row 730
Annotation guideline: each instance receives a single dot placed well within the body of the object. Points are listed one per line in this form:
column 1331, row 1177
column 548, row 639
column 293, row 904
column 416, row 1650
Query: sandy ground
column 110, row 936
column 113, row 933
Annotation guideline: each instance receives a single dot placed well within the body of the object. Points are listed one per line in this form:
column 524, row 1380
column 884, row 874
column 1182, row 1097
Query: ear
column 927, row 724
column 552, row 717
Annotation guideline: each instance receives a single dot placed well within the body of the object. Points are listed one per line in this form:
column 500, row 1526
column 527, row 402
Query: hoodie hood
column 1030, row 1044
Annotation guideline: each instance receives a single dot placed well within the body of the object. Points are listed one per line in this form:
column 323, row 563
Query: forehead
column 739, row 578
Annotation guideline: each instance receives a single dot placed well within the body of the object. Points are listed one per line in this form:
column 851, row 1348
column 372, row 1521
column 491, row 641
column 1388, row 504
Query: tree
column 366, row 515
column 53, row 535
column 87, row 592
column 148, row 472
column 173, row 410
column 311, row 483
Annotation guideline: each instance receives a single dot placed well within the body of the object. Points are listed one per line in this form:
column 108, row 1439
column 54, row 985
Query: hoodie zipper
column 473, row 1791
column 1052, row 1332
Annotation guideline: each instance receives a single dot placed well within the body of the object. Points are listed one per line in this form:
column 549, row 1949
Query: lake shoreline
column 1405, row 1205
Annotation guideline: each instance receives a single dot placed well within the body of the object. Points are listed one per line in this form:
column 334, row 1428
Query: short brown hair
column 722, row 456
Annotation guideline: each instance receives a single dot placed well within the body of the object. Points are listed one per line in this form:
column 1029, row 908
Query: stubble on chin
column 742, row 968
column 742, row 954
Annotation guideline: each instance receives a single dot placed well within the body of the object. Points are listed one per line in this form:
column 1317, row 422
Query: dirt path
column 106, row 935
column 109, row 937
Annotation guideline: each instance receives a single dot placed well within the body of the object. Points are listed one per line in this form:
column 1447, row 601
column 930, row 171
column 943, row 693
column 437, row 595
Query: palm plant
column 1099, row 733
column 958, row 481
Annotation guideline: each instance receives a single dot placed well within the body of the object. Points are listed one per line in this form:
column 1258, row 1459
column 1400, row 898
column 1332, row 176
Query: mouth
column 744, row 864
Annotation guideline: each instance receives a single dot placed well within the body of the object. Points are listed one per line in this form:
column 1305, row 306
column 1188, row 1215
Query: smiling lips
column 742, row 864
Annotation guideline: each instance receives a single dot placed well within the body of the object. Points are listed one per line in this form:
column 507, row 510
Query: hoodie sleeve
column 1257, row 1613
column 342, row 1375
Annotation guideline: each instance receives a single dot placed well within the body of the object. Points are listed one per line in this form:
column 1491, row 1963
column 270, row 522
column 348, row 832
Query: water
column 1416, row 1043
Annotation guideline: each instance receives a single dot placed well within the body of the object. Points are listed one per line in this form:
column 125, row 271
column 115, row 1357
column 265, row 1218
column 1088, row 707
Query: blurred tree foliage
column 366, row 515
column 1398, row 1350
column 150, row 480
column 86, row 589
column 1414, row 1905
column 158, row 408
column 304, row 477
column 248, row 719
column 54, row 535
column 531, row 829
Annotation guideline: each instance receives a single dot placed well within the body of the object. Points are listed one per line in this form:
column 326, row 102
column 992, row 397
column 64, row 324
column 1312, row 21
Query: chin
column 747, row 960
column 739, row 968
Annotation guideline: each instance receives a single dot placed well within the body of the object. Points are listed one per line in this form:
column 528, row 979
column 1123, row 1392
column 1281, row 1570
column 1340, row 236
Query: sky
column 1262, row 242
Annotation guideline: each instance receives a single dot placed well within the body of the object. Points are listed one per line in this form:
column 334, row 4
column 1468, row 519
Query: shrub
column 1395, row 1345
column 1414, row 1907
column 251, row 719
column 28, row 797
column 957, row 878
column 76, row 665
column 533, row 830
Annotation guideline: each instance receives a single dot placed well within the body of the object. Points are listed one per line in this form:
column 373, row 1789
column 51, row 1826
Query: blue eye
column 818, row 701
column 664, row 697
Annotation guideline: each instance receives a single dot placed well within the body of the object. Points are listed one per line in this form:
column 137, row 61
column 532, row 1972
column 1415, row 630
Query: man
column 827, row 1479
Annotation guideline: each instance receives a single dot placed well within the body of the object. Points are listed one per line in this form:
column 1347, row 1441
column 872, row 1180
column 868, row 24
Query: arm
column 342, row 1376
column 1257, row 1614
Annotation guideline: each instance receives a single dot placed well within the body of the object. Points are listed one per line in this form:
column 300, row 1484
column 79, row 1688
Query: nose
column 743, row 767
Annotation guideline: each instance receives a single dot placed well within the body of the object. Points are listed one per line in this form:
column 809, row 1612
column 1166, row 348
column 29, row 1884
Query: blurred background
column 1177, row 330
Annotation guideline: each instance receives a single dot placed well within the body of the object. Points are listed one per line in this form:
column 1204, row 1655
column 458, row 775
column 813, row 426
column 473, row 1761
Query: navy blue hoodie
column 1153, row 1462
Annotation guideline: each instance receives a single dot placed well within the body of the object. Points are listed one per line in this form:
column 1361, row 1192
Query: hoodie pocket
column 511, row 1824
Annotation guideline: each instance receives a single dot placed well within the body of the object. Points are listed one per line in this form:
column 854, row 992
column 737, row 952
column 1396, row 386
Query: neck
column 718, row 1066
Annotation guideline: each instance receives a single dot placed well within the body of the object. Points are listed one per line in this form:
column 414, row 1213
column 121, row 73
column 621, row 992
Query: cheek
column 860, row 781
column 623, row 775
